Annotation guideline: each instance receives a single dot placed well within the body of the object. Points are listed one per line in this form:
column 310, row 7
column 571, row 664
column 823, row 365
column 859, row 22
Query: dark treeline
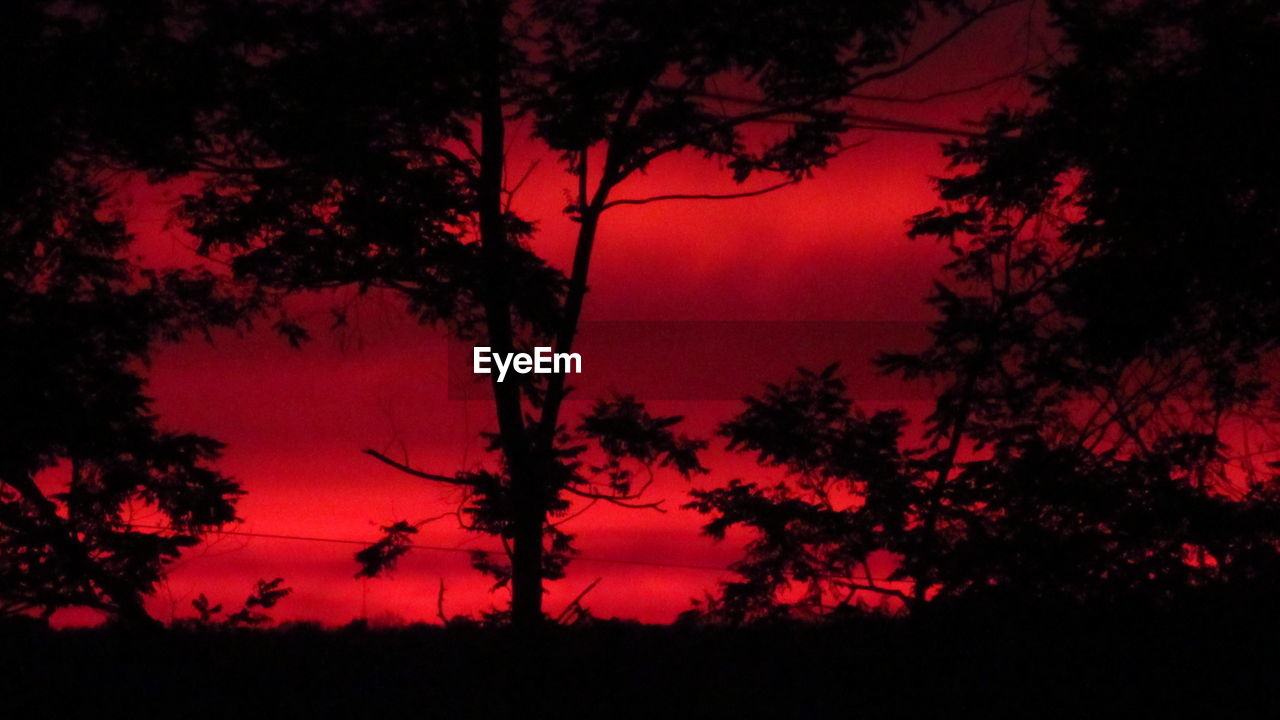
column 1212, row 658
column 1102, row 435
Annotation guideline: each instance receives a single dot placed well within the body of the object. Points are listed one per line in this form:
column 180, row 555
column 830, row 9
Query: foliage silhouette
column 83, row 453
column 1099, row 356
column 266, row 594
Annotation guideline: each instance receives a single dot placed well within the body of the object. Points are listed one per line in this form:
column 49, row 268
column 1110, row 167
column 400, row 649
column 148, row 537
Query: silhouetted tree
column 83, row 460
column 1097, row 357
column 365, row 144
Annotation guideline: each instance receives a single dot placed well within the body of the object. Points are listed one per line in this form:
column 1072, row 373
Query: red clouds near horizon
column 830, row 250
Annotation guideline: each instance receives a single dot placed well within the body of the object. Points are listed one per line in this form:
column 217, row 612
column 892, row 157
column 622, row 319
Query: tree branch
column 919, row 99
column 417, row 473
column 771, row 115
column 619, row 500
column 697, row 196
column 904, row 597
column 937, row 45
column 576, row 602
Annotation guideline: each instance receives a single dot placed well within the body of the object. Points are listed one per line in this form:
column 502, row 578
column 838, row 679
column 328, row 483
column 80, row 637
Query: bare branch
column 576, row 602
column 879, row 589
column 619, row 500
column 937, row 45
column 919, row 99
column 470, row 145
column 511, row 194
column 698, row 196
column 773, row 116
column 417, row 473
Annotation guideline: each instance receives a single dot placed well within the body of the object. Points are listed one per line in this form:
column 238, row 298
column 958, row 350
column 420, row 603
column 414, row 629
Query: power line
column 442, row 548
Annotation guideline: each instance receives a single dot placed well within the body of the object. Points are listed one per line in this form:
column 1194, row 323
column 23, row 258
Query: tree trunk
column 529, row 513
column 526, row 561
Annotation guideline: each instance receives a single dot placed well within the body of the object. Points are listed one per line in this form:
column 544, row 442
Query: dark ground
column 1216, row 661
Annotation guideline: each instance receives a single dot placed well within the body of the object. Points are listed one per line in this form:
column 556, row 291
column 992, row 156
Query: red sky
column 830, row 252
